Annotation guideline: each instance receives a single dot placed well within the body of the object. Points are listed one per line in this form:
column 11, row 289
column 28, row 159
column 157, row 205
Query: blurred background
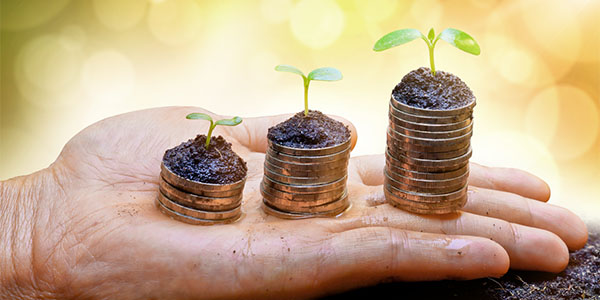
column 66, row 64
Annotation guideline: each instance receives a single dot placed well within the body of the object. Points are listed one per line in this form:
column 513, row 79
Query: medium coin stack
column 302, row 183
column 199, row 203
column 427, row 158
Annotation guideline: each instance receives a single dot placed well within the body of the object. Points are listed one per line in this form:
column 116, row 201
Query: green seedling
column 227, row 122
column 322, row 74
column 455, row 37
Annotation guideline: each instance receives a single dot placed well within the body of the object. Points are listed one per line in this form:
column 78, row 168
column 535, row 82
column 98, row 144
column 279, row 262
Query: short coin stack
column 199, row 203
column 427, row 158
column 302, row 183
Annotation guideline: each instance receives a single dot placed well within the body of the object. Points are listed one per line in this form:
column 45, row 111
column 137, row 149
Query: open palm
column 99, row 234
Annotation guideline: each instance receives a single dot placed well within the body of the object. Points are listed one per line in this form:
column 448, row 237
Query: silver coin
column 428, row 120
column 409, row 206
column 303, row 206
column 431, row 112
column 460, row 160
column 305, row 189
column 198, row 214
column 307, row 199
column 303, row 180
column 397, row 164
column 342, row 155
column 308, row 151
column 317, row 167
column 303, row 173
column 430, row 134
column 191, row 220
column 199, row 202
column 429, row 127
column 200, row 188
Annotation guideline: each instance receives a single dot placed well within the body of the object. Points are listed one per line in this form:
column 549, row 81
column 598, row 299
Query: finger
column 252, row 133
column 367, row 169
column 509, row 180
column 529, row 248
column 369, row 255
column 518, row 209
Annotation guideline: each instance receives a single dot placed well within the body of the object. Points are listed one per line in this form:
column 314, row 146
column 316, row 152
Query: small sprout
column 455, row 37
column 322, row 74
column 226, row 122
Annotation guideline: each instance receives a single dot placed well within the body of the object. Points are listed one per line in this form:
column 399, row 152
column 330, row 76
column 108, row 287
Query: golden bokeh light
column 175, row 22
column 427, row 14
column 21, row 15
column 376, row 10
column 276, row 11
column 120, row 14
column 317, row 23
column 108, row 76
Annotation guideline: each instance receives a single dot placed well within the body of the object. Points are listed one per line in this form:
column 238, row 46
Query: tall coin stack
column 199, row 203
column 302, row 183
column 427, row 158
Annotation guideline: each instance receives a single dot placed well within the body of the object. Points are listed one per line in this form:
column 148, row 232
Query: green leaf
column 198, row 116
column 460, row 40
column 289, row 69
column 229, row 122
column 431, row 34
column 325, row 74
column 396, row 38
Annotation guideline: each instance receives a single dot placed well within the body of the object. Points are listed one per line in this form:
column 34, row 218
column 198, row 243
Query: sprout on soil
column 455, row 37
column 227, row 122
column 322, row 74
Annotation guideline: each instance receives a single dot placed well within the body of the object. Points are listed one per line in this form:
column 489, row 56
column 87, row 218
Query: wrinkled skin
column 87, row 226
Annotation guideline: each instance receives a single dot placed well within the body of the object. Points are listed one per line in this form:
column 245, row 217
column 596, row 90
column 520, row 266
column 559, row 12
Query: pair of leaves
column 227, row 122
column 322, row 74
column 454, row 37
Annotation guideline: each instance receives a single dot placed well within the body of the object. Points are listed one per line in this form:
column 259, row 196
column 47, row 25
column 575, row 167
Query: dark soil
column 218, row 164
column 419, row 88
column 580, row 280
column 313, row 131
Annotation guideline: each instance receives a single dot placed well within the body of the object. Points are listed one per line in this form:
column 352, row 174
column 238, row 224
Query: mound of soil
column 313, row 131
column 218, row 164
column 580, row 280
column 419, row 88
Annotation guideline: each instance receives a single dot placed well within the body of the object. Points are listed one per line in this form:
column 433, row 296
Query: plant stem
column 306, row 82
column 210, row 130
column 431, row 58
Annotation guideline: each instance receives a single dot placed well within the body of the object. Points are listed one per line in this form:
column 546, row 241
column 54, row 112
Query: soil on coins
column 316, row 130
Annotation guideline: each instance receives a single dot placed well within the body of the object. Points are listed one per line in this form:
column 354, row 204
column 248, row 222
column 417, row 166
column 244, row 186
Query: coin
column 199, row 202
column 431, row 112
column 317, row 167
column 198, row 214
column 427, row 198
column 429, row 127
column 309, row 151
column 400, row 203
column 200, row 188
column 426, row 142
column 426, row 183
column 433, row 146
column 320, row 196
column 395, row 149
column 397, row 164
column 343, row 155
column 439, row 189
column 191, row 220
column 295, row 216
column 305, row 189
column 427, row 175
column 303, row 173
column 304, row 206
column 431, row 134
column 303, row 180
column 427, row 119
column 437, row 163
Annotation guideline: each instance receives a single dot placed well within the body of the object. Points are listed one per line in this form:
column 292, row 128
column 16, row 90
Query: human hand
column 87, row 226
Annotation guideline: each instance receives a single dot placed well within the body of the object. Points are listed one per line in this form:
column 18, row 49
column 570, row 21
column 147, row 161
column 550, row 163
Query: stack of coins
column 199, row 203
column 302, row 183
column 427, row 158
